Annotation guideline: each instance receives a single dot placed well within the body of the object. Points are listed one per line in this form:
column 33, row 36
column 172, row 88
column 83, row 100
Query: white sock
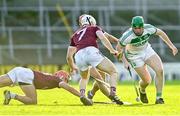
column 13, row 95
column 158, row 98
column 142, row 90
column 91, row 93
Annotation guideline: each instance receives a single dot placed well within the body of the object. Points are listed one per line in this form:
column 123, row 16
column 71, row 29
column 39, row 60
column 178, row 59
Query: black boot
column 143, row 97
column 86, row 101
column 159, row 101
column 116, row 99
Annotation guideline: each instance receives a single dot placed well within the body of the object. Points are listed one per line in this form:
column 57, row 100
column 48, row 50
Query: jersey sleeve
column 72, row 42
column 151, row 29
column 123, row 39
column 98, row 28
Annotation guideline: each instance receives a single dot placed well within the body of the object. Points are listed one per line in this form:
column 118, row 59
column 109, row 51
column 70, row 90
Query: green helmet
column 137, row 22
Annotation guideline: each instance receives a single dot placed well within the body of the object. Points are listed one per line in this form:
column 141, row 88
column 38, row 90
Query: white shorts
column 138, row 59
column 20, row 74
column 89, row 56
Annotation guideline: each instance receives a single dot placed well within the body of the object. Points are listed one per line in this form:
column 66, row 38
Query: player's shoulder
column 94, row 27
column 148, row 26
column 129, row 30
column 76, row 31
column 42, row 73
column 127, row 33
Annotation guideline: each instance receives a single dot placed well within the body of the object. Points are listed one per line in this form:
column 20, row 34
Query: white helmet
column 86, row 20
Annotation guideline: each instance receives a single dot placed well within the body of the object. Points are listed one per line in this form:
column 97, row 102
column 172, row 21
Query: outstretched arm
column 166, row 39
column 69, row 88
column 119, row 48
column 111, row 38
column 105, row 42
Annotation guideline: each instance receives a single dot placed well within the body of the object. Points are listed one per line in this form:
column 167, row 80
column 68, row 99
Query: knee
column 146, row 82
column 34, row 102
column 31, row 102
column 113, row 71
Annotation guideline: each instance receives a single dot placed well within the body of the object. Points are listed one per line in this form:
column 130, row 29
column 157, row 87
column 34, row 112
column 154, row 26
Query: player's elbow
column 62, row 84
column 68, row 58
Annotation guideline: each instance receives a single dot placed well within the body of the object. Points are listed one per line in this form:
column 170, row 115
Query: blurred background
column 36, row 33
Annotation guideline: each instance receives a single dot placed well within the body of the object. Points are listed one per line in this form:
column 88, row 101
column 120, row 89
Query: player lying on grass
column 30, row 80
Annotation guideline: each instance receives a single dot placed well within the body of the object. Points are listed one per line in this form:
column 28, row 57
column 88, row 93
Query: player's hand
column 119, row 57
column 115, row 53
column 174, row 50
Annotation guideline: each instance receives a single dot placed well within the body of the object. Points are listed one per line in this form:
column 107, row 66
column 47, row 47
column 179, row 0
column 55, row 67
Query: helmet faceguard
column 137, row 22
column 86, row 20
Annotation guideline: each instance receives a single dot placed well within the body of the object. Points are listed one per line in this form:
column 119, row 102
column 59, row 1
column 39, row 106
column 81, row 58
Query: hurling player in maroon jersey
column 83, row 47
column 30, row 80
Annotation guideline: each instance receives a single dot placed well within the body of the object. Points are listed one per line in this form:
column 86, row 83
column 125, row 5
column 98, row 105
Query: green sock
column 158, row 95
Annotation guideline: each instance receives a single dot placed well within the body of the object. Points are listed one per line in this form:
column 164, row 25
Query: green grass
column 60, row 102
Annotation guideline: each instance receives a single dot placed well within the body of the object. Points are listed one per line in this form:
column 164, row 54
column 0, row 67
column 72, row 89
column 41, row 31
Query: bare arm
column 119, row 48
column 69, row 88
column 166, row 39
column 69, row 57
column 111, row 38
column 105, row 41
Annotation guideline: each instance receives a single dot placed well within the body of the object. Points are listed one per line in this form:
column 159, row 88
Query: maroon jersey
column 45, row 81
column 84, row 37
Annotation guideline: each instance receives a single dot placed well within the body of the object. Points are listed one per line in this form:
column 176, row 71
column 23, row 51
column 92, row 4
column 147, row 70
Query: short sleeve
column 98, row 28
column 123, row 40
column 72, row 42
column 151, row 29
column 122, row 43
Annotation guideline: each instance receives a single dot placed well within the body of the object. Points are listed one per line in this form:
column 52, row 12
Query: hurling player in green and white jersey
column 139, row 54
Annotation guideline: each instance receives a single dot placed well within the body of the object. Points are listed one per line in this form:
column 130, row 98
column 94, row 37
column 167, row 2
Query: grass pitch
column 60, row 102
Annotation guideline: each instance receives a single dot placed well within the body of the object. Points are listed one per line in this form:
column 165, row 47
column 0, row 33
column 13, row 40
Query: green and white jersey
column 137, row 43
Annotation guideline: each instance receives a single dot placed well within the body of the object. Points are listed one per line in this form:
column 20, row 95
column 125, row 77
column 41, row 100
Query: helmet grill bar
column 88, row 20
